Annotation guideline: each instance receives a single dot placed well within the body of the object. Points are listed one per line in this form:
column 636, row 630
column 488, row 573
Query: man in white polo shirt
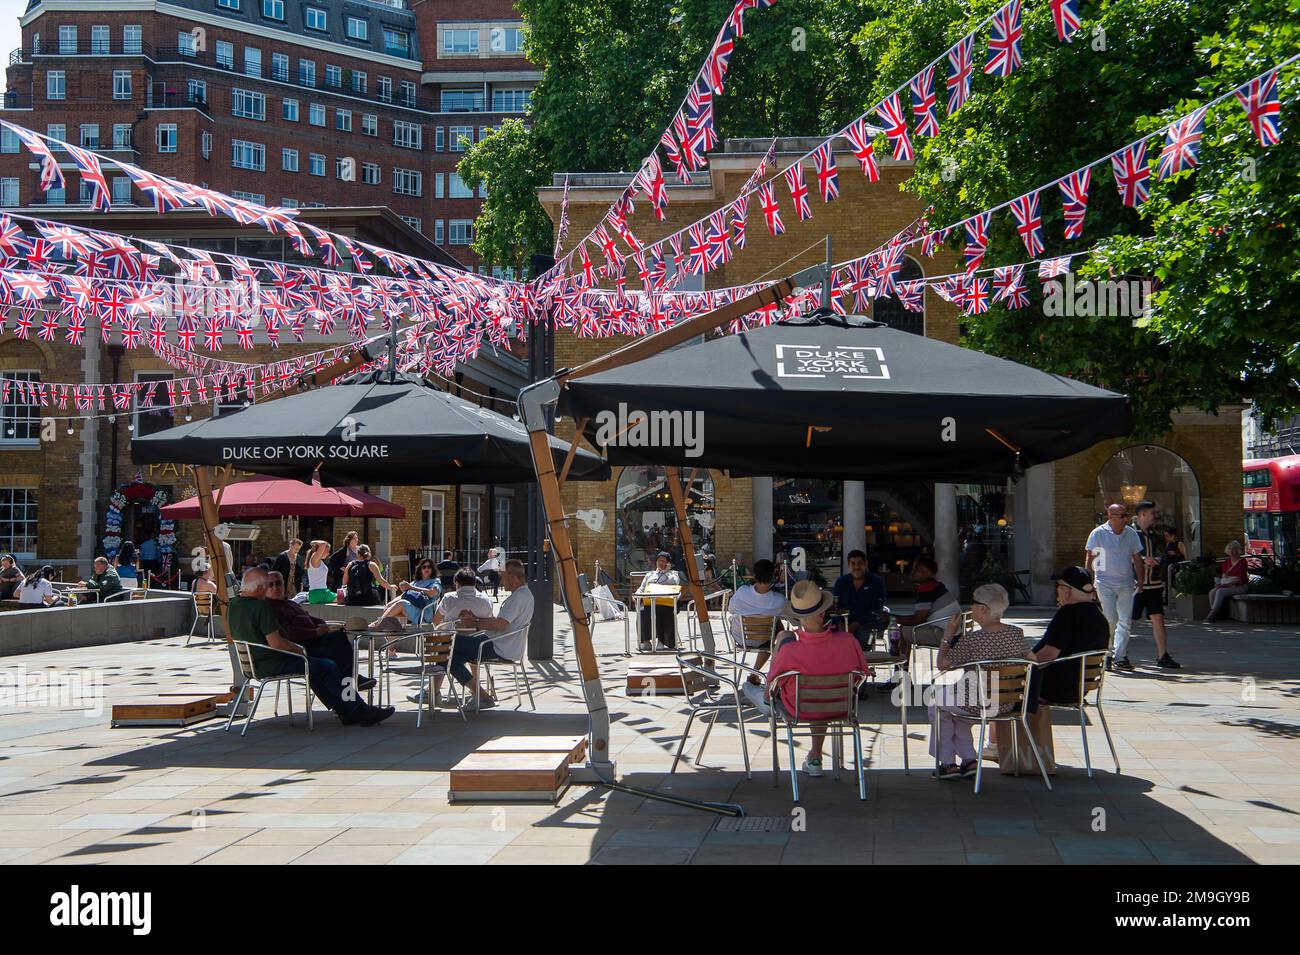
column 1113, row 557
column 515, row 614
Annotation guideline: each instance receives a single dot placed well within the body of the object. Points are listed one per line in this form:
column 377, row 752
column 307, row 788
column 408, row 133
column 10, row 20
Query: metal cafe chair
column 823, row 703
column 1092, row 673
column 434, row 649
column 595, row 604
column 1002, row 696
column 704, row 704
column 757, row 633
column 205, row 608
column 518, row 668
column 254, row 680
column 718, row 597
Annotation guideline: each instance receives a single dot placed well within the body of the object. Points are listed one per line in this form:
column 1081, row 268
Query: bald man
column 251, row 618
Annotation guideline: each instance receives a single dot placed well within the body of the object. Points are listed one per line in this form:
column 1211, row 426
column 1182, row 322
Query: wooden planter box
column 1192, row 606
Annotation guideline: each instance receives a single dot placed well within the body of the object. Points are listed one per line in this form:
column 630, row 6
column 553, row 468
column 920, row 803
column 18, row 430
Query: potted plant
column 1192, row 586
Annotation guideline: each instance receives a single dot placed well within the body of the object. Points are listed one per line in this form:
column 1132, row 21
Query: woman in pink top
column 812, row 650
column 1233, row 579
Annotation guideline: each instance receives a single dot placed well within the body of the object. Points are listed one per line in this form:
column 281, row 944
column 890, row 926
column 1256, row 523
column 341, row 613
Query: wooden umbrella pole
column 693, row 582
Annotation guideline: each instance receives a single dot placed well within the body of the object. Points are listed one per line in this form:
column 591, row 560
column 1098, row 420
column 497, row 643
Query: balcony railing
column 114, row 46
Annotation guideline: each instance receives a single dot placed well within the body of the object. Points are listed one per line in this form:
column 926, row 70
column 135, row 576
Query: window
column 99, row 39
column 370, row 173
column 343, row 120
column 132, row 38
column 462, row 231
column 431, row 523
column 167, row 138
column 333, row 76
column 9, row 192
column 358, row 29
column 408, row 93
column 280, row 67
column 68, row 39
column 307, row 72
column 506, row 40
column 359, row 81
column 385, row 89
column 439, row 139
column 248, row 104
column 86, row 193
column 252, row 61
column 407, row 135
column 185, row 43
column 289, row 159
column 456, row 187
column 289, row 110
column 57, row 131
column 462, row 137
column 413, row 221
column 228, row 4
column 20, row 421
column 511, row 100
column 121, row 191
column 89, row 136
column 439, row 235
column 273, row 9
column 370, row 124
column 460, row 41
column 288, row 203
column 226, row 54
column 246, row 155
column 316, row 114
column 256, row 197
column 462, row 101
column 55, row 85
column 197, row 91
column 151, row 411
column 345, row 168
column 122, row 138
column 471, row 519
column 205, row 144
column 121, row 84
column 316, row 164
column 314, row 18
column 55, row 196
column 439, row 185
column 8, row 141
column 18, row 521
column 397, row 42
column 407, row 182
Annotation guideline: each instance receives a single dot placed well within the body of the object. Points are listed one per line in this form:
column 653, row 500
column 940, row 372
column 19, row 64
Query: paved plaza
column 1211, row 774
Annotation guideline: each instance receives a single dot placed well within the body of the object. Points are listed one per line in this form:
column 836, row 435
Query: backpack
column 361, row 585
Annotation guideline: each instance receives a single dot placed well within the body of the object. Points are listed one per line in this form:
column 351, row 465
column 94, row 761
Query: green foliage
column 511, row 223
column 1195, row 579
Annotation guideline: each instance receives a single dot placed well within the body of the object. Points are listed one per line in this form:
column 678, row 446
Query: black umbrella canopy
column 369, row 431
column 850, row 398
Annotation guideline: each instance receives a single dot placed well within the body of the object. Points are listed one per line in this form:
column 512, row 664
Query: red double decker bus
column 1271, row 500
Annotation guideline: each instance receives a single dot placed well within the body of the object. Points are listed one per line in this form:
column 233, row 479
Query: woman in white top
column 491, row 569
column 317, row 568
column 37, row 591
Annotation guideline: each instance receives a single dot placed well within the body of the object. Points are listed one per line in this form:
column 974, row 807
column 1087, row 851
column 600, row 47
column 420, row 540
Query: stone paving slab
column 1211, row 775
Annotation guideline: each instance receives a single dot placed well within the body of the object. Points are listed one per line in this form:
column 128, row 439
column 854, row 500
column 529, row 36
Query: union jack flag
column 1004, row 42
column 719, row 239
column 1074, row 200
column 51, row 174
column 658, row 269
column 961, row 63
column 157, row 335
column 1065, row 17
column 891, row 263
column 69, row 242
column 891, row 111
column 29, row 288
column 1132, row 174
column 1182, row 144
column 674, row 154
column 697, row 259
column 49, row 328
column 13, row 242
column 739, row 217
column 214, row 202
column 1051, row 268
column 213, row 330
column 675, row 243
column 859, row 136
column 88, row 164
column 828, row 180
column 911, row 295
column 1259, row 99
column 1029, row 224
column 715, row 67
column 166, row 195
column 861, row 285
column 131, row 333
column 1005, row 281
column 76, row 330
column 185, row 333
column 977, row 296
column 977, row 240
column 924, row 104
column 798, row 190
column 653, row 176
column 244, row 335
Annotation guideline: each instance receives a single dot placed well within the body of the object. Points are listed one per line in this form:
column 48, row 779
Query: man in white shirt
column 1113, row 555
column 758, row 599
column 465, row 598
column 515, row 615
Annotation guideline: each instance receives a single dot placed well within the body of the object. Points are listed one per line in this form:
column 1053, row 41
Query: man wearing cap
column 1078, row 625
column 1113, row 556
column 665, row 612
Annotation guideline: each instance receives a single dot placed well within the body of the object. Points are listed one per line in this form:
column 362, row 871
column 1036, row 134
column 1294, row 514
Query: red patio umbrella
column 263, row 497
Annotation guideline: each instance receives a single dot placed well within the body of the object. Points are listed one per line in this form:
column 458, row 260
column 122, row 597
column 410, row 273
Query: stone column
column 1041, row 532
column 88, row 524
column 761, row 510
column 945, row 534
column 855, row 519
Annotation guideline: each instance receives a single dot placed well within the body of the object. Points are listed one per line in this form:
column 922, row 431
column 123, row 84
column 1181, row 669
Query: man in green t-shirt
column 104, row 581
column 250, row 618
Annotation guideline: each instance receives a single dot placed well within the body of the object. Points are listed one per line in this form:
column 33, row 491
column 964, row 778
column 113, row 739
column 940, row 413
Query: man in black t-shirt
column 1078, row 625
column 1150, row 597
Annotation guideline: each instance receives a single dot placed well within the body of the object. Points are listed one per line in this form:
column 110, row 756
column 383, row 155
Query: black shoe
column 1167, row 662
column 366, row 683
column 1123, row 665
column 372, row 715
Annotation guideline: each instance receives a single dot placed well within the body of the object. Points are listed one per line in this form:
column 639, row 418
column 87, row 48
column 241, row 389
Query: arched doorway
column 1152, row 473
column 891, row 311
column 646, row 522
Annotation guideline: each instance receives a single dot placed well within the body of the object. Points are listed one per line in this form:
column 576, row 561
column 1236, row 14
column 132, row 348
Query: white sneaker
column 645, row 646
column 754, row 696
column 813, row 768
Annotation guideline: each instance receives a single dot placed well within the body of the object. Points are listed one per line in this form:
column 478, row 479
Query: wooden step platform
column 219, row 694
column 164, row 711
column 516, row 769
column 661, row 677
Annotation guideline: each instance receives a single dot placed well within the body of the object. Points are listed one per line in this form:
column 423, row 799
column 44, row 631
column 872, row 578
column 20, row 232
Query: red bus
column 1271, row 500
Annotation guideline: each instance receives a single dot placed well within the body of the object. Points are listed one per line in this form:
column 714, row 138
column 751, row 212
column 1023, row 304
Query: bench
column 1265, row 608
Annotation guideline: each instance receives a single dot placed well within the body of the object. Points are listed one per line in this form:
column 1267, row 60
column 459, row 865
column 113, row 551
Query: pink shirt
column 819, row 654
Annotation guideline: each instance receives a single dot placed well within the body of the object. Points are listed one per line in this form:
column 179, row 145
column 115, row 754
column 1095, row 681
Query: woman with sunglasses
column 416, row 594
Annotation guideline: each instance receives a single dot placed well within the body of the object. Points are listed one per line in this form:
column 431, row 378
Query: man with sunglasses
column 319, row 638
column 1113, row 557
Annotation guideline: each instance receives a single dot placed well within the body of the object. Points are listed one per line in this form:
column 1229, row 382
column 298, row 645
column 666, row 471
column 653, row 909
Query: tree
column 511, row 224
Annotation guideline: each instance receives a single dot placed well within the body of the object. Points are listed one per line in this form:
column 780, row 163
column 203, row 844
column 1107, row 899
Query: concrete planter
column 1192, row 606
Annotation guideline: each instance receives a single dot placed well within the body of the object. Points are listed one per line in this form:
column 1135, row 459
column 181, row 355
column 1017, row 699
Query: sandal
column 951, row 771
column 969, row 768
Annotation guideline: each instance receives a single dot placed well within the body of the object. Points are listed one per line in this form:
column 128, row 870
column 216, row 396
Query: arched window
column 646, row 522
column 1147, row 472
column 891, row 311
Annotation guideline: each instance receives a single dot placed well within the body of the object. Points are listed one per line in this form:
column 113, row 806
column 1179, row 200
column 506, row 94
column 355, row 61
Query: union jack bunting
column 653, row 175
column 828, row 180
column 1182, row 144
column 977, row 240
column 658, row 269
column 1050, row 268
column 685, row 158
column 1259, row 99
column 49, row 328
column 891, row 111
column 132, row 334
column 798, row 190
column 961, row 63
column 911, row 295
column 739, row 217
column 51, row 175
column 930, row 242
column 1004, row 41
column 859, row 136
column 860, row 285
column 1065, row 17
column 719, row 59
column 891, row 263
column 76, row 330
column 88, row 165
column 977, row 296
column 1029, row 224
column 697, row 258
column 675, row 243
column 1005, row 281
column 13, row 242
column 69, row 242
column 1074, row 201
column 165, row 194
column 924, row 104
column 1132, row 174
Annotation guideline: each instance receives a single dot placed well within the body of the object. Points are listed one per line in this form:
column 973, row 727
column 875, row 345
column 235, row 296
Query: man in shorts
column 1150, row 597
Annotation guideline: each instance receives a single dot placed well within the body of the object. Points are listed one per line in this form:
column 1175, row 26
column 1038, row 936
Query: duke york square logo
column 847, row 362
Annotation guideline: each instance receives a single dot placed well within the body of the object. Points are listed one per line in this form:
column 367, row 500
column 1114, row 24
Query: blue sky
column 10, row 36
